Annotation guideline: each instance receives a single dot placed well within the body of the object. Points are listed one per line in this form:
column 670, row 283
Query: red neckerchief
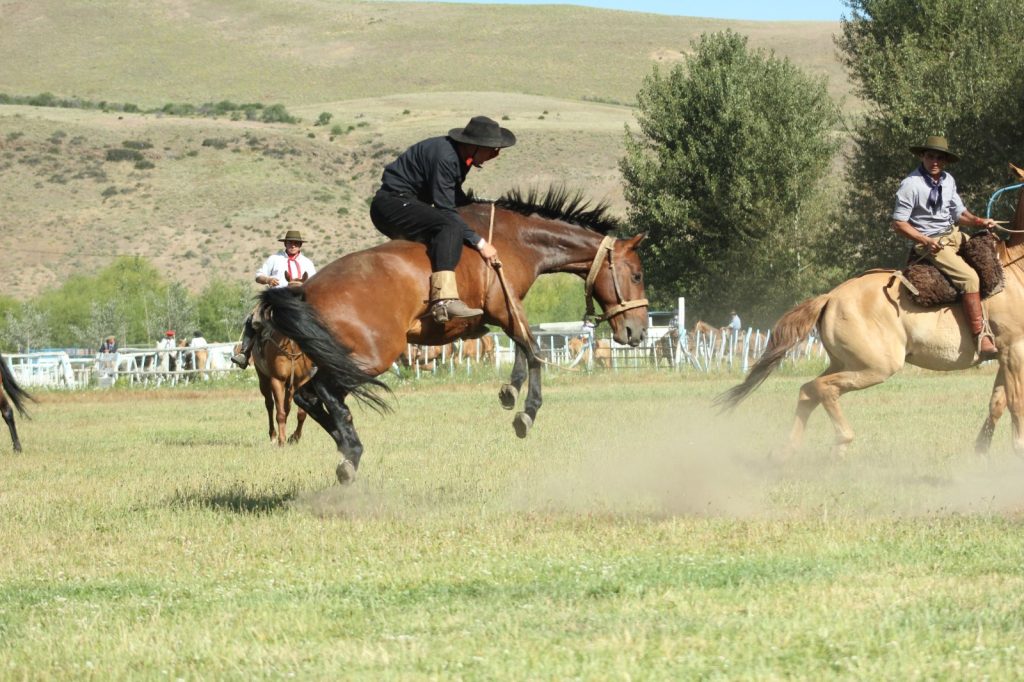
column 297, row 275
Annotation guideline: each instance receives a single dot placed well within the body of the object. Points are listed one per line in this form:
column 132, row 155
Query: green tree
column 724, row 176
column 555, row 298
column 928, row 67
column 25, row 329
column 222, row 307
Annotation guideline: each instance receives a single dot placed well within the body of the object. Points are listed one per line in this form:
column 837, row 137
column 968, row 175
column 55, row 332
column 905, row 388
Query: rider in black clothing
column 419, row 194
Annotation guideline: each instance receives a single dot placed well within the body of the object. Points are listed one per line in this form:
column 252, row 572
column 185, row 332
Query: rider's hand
column 933, row 245
column 489, row 254
column 273, row 281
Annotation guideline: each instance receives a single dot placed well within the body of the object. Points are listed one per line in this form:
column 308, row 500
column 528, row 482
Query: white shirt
column 197, row 342
column 277, row 265
column 166, row 342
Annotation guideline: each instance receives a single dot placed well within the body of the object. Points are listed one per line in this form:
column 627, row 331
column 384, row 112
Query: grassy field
column 634, row 535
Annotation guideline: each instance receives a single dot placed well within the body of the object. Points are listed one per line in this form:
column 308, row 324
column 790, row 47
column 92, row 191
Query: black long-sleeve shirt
column 432, row 172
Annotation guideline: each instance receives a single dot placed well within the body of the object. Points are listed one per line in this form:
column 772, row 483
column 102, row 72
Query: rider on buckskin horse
column 418, row 199
column 928, row 210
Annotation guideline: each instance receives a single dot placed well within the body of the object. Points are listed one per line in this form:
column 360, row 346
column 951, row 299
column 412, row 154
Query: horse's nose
column 635, row 335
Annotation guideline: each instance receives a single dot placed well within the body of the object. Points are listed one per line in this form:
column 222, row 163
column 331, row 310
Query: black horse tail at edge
column 285, row 309
column 16, row 393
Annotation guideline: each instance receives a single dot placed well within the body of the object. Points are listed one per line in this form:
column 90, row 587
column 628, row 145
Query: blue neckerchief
column 935, row 195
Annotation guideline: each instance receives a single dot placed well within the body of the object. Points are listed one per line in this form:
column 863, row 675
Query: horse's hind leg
column 508, row 394
column 300, row 418
column 344, row 433
column 309, row 403
column 829, row 387
column 1012, row 367
column 996, row 406
column 8, row 414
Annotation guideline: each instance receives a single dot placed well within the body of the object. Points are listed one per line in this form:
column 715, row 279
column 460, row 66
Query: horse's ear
column 636, row 240
column 287, row 276
column 1018, row 171
column 305, row 276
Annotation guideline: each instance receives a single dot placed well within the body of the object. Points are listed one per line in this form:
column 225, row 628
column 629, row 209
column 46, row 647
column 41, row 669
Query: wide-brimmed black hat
column 936, row 143
column 483, row 132
column 292, row 236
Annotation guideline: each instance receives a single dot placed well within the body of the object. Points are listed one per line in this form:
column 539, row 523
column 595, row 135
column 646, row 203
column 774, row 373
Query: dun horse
column 17, row 397
column 355, row 317
column 870, row 328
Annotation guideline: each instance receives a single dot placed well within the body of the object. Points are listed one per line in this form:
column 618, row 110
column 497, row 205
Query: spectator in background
column 735, row 326
column 197, row 340
column 109, row 345
column 167, row 341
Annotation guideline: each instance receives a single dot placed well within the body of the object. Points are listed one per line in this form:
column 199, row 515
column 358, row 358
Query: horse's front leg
column 1011, row 364
column 524, row 420
column 508, row 394
column 996, row 407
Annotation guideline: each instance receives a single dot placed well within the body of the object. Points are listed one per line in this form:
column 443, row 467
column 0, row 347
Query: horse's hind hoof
column 346, row 472
column 508, row 395
column 522, row 424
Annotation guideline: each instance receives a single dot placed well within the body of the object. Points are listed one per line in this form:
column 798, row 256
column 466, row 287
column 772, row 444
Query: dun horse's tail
column 791, row 329
column 285, row 310
column 16, row 393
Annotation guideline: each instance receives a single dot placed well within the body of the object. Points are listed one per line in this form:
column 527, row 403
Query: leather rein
column 607, row 247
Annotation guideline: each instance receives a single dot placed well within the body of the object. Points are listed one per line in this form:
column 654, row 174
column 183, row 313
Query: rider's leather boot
column 445, row 303
column 241, row 358
column 976, row 319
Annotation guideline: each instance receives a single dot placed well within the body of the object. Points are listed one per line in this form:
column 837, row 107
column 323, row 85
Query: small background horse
column 282, row 368
column 11, row 393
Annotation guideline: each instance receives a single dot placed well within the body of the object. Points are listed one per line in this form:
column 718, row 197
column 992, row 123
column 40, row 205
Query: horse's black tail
column 16, row 393
column 791, row 329
column 285, row 309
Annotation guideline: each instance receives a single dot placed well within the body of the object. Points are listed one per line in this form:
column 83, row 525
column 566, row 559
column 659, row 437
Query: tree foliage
column 929, row 67
column 724, row 176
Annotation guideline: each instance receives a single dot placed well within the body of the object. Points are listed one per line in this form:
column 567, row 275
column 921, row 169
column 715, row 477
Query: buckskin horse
column 17, row 396
column 870, row 328
column 355, row 316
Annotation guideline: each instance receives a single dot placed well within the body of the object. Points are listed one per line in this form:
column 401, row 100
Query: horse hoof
column 522, row 424
column 293, row 439
column 508, row 395
column 346, row 472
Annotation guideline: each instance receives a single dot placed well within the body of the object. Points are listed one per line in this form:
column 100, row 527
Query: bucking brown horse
column 356, row 315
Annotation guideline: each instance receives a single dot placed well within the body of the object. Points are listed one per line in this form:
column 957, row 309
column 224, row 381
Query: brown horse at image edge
column 15, row 395
column 870, row 327
column 355, row 317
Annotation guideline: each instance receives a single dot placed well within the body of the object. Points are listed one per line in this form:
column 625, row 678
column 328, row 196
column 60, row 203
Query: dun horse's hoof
column 508, row 395
column 346, row 472
column 522, row 424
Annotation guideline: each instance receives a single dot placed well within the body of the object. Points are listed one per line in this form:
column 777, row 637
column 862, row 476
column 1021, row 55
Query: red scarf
column 297, row 275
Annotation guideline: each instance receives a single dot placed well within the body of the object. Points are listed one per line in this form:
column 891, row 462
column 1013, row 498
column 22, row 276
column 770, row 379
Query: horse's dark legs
column 508, row 394
column 332, row 414
column 524, row 420
column 307, row 400
column 8, row 414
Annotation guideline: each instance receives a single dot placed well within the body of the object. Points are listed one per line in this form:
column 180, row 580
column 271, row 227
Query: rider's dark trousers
column 401, row 216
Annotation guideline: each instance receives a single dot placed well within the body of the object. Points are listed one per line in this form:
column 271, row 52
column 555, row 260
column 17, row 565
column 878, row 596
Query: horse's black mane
column 558, row 203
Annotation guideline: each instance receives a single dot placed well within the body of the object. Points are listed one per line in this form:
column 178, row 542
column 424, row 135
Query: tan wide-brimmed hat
column 292, row 236
column 935, row 143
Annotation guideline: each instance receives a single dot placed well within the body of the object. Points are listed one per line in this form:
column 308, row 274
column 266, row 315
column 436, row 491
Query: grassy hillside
column 211, row 196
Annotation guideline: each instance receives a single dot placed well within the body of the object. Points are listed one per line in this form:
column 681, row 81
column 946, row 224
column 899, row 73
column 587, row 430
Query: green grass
column 634, row 534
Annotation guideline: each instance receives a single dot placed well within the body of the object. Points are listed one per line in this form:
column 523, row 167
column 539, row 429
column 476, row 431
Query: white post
column 681, row 314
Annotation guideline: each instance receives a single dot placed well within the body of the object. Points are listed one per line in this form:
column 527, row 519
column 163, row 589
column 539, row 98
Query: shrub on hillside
column 122, row 154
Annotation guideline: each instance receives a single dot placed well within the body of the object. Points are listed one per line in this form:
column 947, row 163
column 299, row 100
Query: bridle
column 607, row 246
